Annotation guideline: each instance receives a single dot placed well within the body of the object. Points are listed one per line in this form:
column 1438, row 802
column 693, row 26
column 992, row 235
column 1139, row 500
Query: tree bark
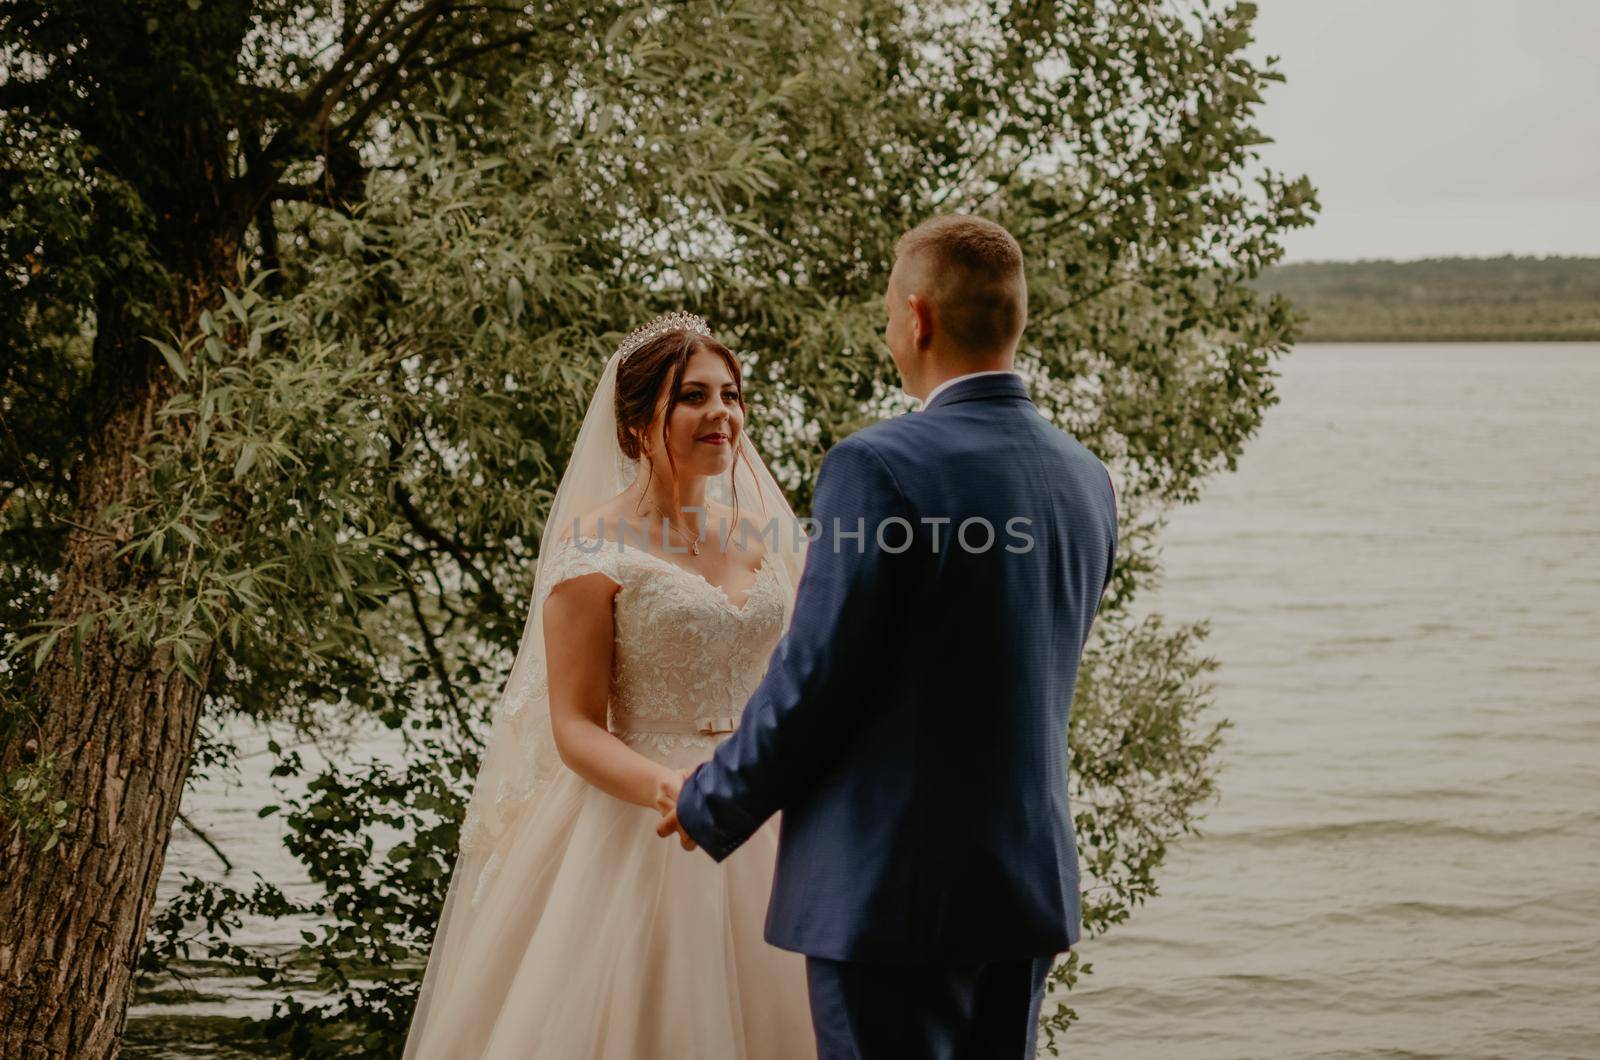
column 122, row 728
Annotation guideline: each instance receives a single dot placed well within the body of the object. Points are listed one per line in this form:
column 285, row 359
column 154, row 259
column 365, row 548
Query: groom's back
column 945, row 833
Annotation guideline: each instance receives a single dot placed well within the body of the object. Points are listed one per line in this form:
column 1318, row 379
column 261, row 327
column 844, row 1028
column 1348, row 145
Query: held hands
column 667, row 787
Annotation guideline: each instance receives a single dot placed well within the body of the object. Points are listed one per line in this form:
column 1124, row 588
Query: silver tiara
column 660, row 326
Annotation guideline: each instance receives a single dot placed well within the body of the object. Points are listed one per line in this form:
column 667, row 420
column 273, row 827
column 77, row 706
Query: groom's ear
column 921, row 320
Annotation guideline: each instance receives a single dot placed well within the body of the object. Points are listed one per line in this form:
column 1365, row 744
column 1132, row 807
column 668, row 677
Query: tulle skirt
column 598, row 940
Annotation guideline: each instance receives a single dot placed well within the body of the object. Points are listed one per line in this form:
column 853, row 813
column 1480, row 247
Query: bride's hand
column 668, row 784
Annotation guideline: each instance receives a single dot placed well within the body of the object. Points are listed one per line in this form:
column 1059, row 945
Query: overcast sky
column 1434, row 127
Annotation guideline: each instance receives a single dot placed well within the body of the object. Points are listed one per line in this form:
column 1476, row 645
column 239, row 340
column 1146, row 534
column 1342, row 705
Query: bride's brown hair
column 640, row 377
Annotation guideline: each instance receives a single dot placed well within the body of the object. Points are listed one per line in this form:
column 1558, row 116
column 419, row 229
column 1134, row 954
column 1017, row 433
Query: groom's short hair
column 971, row 269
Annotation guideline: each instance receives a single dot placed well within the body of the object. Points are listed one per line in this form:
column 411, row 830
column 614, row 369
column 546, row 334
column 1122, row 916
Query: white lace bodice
column 683, row 651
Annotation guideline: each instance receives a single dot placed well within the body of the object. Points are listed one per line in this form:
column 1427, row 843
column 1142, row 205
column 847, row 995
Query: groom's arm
column 816, row 686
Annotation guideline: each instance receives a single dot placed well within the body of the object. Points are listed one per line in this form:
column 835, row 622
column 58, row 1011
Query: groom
column 912, row 725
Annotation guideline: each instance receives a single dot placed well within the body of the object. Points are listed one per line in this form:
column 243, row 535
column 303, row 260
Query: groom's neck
column 952, row 366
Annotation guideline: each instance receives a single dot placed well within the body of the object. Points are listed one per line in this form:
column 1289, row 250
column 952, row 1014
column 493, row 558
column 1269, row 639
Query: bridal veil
column 520, row 757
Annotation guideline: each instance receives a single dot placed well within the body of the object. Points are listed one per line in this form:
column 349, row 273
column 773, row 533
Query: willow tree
column 145, row 147
column 302, row 303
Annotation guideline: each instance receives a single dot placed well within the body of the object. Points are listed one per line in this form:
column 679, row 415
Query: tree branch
column 453, row 548
column 435, row 656
column 199, row 834
column 267, row 228
column 468, row 54
column 387, row 85
column 321, row 110
column 356, row 46
column 318, row 103
column 318, row 192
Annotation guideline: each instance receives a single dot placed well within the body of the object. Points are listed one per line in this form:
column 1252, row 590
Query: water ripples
column 1405, row 601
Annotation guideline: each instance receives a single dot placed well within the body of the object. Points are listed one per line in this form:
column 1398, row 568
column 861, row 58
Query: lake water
column 1403, row 579
column 1404, row 582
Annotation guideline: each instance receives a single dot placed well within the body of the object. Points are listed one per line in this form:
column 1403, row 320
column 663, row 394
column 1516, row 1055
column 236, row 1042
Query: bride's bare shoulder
column 604, row 522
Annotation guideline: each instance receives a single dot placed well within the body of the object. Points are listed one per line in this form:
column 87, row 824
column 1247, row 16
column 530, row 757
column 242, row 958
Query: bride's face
column 706, row 422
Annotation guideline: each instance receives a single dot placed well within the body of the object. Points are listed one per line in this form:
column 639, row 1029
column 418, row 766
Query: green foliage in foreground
column 1504, row 299
column 346, row 484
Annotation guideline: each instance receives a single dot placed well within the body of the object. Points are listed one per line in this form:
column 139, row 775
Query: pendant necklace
column 694, row 545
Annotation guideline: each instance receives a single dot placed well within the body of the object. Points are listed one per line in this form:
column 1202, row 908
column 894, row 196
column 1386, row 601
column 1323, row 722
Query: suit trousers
column 987, row 1011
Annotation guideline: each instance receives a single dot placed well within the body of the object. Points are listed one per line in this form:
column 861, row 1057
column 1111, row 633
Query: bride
column 667, row 573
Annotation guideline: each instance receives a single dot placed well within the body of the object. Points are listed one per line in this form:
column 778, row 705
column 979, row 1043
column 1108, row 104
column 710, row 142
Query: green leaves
column 342, row 495
column 514, row 299
column 173, row 358
column 30, row 803
column 247, row 458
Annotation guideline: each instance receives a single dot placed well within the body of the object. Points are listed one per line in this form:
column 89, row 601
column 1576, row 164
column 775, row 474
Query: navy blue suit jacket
column 912, row 724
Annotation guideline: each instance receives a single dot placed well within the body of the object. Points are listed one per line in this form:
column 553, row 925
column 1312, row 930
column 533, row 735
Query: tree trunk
column 122, row 728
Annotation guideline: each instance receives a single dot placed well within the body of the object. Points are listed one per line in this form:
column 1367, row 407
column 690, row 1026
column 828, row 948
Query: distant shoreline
column 1503, row 299
column 1445, row 340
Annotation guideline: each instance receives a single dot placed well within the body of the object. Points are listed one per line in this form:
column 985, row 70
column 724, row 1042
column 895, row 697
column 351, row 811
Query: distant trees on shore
column 1443, row 299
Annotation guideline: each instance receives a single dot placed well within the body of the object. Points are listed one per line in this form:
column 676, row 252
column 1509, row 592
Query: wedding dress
column 571, row 931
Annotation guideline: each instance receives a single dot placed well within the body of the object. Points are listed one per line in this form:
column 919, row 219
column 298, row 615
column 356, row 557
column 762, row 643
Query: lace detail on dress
column 682, row 650
column 565, row 562
column 668, row 743
column 573, row 558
